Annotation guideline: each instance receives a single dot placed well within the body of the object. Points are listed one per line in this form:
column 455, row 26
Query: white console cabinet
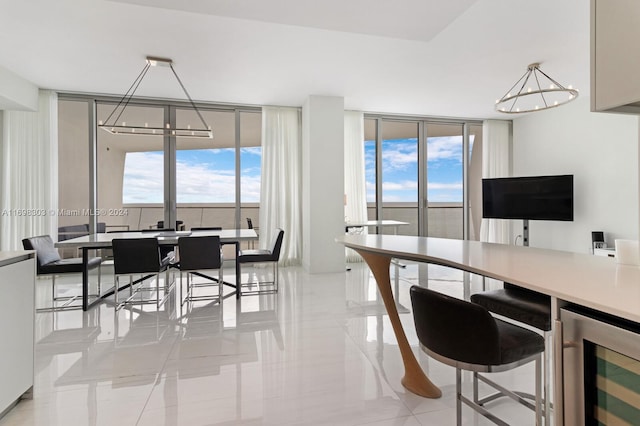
column 17, row 315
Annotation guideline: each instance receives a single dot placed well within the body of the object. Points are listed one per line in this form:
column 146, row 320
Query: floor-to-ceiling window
column 416, row 173
column 139, row 179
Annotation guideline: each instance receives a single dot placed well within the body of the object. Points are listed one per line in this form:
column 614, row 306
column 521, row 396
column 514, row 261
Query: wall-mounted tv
column 529, row 198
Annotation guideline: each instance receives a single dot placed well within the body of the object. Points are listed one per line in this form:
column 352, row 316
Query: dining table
column 100, row 241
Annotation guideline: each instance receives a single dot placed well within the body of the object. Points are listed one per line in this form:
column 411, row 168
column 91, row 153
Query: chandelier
column 535, row 91
column 114, row 126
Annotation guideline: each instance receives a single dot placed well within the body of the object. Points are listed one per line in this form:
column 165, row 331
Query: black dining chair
column 50, row 263
column 139, row 256
column 250, row 226
column 207, row 228
column 464, row 335
column 526, row 307
column 197, row 256
column 271, row 255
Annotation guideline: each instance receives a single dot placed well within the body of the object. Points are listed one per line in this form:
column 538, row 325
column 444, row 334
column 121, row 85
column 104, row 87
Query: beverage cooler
column 601, row 368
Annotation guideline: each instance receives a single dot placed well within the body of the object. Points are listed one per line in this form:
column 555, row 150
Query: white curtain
column 355, row 193
column 29, row 181
column 280, row 196
column 496, row 162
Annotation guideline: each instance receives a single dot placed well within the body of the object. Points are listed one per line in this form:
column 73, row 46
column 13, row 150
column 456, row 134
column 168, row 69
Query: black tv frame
column 529, row 198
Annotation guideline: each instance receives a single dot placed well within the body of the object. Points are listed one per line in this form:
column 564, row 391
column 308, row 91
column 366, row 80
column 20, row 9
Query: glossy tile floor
column 319, row 352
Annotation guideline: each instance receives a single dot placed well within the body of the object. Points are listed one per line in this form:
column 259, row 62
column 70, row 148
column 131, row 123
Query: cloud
column 444, row 148
column 196, row 182
column 406, row 185
column 442, row 186
column 253, row 151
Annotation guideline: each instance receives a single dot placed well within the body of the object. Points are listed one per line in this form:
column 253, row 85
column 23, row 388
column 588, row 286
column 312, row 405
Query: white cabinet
column 615, row 63
column 17, row 315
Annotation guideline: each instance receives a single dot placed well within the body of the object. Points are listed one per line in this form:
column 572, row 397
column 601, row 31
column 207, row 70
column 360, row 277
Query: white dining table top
column 596, row 282
column 383, row 222
column 104, row 239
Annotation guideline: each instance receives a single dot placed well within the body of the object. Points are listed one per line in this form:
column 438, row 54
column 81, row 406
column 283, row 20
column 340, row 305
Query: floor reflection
column 320, row 351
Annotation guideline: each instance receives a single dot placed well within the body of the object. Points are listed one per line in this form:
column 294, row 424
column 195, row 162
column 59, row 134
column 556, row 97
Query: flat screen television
column 529, row 198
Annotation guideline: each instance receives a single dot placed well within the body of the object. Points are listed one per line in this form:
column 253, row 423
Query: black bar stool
column 526, row 307
column 465, row 335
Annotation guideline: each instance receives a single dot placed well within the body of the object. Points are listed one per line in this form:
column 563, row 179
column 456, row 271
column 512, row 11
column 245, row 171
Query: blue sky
column 208, row 175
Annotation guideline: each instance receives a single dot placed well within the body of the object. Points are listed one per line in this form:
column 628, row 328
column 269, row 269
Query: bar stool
column 527, row 307
column 465, row 335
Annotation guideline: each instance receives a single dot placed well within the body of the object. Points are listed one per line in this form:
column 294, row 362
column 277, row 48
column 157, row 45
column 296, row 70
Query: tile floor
column 319, row 352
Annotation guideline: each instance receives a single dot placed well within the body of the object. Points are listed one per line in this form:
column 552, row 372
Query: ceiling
column 423, row 57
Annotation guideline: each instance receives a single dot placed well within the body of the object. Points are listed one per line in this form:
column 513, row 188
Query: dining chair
column 271, row 255
column 465, row 336
column 49, row 263
column 197, row 256
column 139, row 256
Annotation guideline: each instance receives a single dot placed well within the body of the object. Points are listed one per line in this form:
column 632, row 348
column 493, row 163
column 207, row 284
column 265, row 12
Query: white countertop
column 13, row 256
column 593, row 281
column 376, row 223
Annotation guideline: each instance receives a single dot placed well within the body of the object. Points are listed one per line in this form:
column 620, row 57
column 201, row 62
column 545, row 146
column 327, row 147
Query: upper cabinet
column 615, row 56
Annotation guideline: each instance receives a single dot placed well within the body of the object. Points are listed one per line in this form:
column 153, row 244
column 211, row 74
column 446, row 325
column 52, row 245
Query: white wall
column 16, row 93
column 601, row 151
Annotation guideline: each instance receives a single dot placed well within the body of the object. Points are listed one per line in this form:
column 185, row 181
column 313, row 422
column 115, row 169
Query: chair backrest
column 454, row 328
column 199, row 253
column 45, row 250
column 154, row 230
column 207, row 228
column 136, row 255
column 276, row 243
column 160, row 224
column 249, row 223
column 72, row 231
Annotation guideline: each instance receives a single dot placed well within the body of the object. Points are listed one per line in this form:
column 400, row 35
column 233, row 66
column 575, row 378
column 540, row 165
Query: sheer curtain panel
column 29, row 196
column 496, row 163
column 280, row 197
column 355, row 194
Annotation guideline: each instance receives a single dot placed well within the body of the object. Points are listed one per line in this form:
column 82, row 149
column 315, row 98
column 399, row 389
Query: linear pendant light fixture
column 122, row 128
column 535, row 91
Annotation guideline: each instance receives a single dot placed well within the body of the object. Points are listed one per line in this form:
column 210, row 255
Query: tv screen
column 531, row 198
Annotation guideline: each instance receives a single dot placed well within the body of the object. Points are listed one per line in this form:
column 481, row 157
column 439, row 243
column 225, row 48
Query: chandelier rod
column 126, row 98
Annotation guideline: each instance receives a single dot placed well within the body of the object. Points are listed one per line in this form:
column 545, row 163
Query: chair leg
column 239, row 279
column 53, row 287
column 475, row 388
column 538, row 393
column 458, row 397
column 116, row 287
column 546, row 394
column 220, row 286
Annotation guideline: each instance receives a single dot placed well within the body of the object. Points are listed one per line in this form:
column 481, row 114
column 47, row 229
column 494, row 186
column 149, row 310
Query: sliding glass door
column 416, row 173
